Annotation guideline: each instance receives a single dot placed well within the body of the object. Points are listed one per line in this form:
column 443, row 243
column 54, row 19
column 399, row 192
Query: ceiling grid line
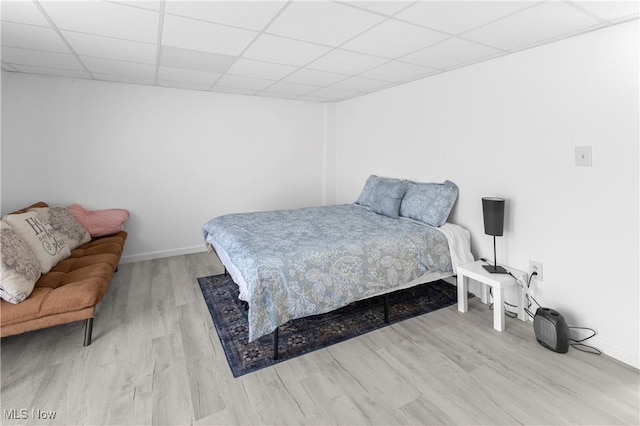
column 319, row 51
column 159, row 42
column 262, row 31
column 55, row 28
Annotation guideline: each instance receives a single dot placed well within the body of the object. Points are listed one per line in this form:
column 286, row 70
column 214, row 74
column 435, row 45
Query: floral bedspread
column 309, row 261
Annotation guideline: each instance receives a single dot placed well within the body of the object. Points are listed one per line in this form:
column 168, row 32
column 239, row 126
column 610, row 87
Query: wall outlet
column 537, row 268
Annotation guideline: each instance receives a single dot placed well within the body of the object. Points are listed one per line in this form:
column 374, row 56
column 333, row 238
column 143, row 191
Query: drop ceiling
column 320, row 51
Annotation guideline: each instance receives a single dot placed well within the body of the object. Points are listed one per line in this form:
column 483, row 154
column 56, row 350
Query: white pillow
column 19, row 268
column 63, row 222
column 46, row 244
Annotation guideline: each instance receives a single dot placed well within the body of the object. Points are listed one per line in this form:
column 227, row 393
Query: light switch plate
column 583, row 156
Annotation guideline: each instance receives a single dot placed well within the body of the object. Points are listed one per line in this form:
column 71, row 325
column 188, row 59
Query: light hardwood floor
column 156, row 359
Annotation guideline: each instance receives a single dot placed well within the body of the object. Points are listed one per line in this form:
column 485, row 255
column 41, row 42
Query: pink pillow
column 99, row 222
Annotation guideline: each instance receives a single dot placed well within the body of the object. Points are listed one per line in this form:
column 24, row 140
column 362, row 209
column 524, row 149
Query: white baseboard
column 623, row 355
column 162, row 253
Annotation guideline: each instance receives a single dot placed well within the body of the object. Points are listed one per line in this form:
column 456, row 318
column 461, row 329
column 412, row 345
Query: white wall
column 173, row 158
column 508, row 128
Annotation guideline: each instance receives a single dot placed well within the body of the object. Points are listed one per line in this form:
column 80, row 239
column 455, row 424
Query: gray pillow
column 366, row 196
column 387, row 197
column 430, row 203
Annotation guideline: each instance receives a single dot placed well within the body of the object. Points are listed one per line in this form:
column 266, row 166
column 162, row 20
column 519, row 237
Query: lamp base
column 495, row 269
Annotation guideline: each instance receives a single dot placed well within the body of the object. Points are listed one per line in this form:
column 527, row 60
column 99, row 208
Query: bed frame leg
column 87, row 331
column 226, row 273
column 386, row 309
column 275, row 344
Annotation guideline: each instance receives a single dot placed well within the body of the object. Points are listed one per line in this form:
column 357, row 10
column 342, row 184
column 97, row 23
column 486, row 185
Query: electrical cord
column 507, row 312
column 583, row 347
column 576, row 344
column 528, row 296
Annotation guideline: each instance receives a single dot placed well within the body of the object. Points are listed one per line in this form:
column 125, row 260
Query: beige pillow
column 63, row 222
column 19, row 269
column 46, row 244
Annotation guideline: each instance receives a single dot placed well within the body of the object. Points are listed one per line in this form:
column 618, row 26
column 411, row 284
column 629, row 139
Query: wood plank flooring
column 156, row 359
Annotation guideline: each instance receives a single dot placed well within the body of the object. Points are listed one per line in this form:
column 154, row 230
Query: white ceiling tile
column 532, row 26
column 260, row 69
column 52, row 71
column 25, row 12
column 268, row 94
column 386, row 7
column 233, row 90
column 450, row 53
column 309, row 21
column 183, row 85
column 124, row 79
column 397, row 72
column 332, row 93
column 111, row 48
column 392, row 39
column 144, row 4
column 182, row 75
column 360, row 84
column 240, row 82
column 204, row 36
column 291, row 88
column 455, row 17
column 103, row 18
column 32, row 37
column 110, row 66
column 195, row 60
column 314, row 78
column 39, row 58
column 253, row 15
column 341, row 61
column 284, row 51
column 219, row 45
column 610, row 10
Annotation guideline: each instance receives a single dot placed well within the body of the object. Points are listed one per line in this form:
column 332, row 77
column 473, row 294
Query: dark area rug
column 305, row 335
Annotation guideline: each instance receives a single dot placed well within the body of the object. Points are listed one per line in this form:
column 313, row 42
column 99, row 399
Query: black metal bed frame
column 276, row 332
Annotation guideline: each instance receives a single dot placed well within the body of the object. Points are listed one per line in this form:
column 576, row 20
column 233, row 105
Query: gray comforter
column 309, row 261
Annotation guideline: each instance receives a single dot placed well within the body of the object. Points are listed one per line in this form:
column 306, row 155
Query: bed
column 295, row 263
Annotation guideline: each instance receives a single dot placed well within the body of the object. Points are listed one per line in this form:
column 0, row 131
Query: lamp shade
column 493, row 212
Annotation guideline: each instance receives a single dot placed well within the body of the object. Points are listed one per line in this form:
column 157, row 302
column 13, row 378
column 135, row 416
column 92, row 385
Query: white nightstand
column 498, row 282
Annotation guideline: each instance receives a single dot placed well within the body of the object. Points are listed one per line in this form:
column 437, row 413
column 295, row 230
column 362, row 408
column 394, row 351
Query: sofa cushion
column 19, row 269
column 46, row 244
column 65, row 224
column 76, row 283
column 99, row 222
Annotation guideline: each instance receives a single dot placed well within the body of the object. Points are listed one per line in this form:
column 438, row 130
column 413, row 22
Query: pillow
column 99, row 222
column 65, row 224
column 46, row 244
column 366, row 196
column 387, row 197
column 19, row 269
column 430, row 203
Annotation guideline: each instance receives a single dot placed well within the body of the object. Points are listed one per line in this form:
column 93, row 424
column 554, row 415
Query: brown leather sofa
column 70, row 291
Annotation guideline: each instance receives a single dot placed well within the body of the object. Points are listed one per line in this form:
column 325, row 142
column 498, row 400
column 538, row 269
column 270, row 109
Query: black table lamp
column 493, row 212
